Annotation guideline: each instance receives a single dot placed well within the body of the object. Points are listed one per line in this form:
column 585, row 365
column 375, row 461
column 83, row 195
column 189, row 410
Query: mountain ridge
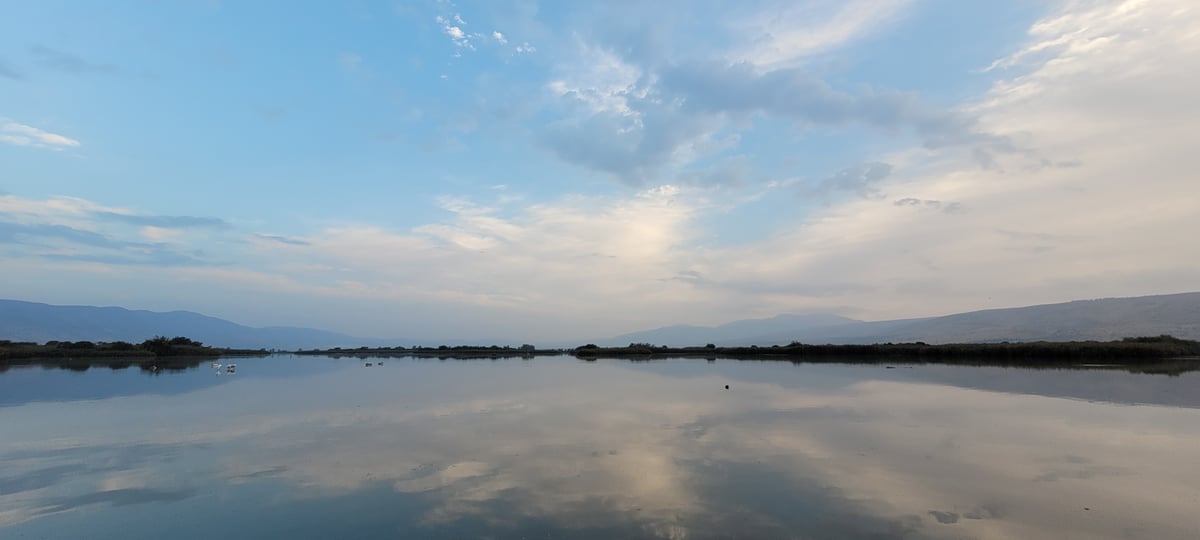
column 34, row 321
column 1092, row 319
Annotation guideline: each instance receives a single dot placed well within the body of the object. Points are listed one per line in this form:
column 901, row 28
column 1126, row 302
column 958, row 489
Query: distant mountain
column 1105, row 319
column 731, row 333
column 1111, row 318
column 29, row 321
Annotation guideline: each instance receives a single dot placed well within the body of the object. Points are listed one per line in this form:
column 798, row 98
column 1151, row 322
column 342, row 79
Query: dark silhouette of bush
column 159, row 345
column 74, row 352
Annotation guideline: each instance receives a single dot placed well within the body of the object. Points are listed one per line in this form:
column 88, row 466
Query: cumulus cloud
column 543, row 260
column 636, row 111
column 616, row 120
column 1114, row 110
column 452, row 27
column 25, row 135
column 1104, row 111
column 499, row 38
column 632, row 148
column 633, row 122
column 792, row 93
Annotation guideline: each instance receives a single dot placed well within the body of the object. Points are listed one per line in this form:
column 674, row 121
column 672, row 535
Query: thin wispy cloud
column 25, row 135
column 795, row 31
column 282, row 239
column 74, row 229
column 68, row 62
column 170, row 222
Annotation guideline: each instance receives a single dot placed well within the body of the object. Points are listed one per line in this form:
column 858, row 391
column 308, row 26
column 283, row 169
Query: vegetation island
column 1161, row 353
column 150, row 349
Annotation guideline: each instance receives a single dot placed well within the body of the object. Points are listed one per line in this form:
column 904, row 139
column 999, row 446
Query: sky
column 548, row 171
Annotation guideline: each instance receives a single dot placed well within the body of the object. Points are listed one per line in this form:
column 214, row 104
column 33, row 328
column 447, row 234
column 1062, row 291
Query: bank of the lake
column 1159, row 354
column 150, row 350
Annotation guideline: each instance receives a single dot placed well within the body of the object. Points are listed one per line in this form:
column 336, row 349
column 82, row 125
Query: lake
column 554, row 447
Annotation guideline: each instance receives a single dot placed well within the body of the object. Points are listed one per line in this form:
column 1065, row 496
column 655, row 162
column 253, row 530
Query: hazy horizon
column 555, row 171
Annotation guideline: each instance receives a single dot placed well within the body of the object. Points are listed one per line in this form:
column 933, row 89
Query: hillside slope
column 30, row 321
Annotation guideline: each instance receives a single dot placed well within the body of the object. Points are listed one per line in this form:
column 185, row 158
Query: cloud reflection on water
column 662, row 452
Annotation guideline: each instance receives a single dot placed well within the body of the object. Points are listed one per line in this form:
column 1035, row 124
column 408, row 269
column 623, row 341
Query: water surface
column 316, row 447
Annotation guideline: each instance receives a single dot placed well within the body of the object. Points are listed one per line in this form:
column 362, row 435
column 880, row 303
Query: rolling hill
column 30, row 321
column 1103, row 319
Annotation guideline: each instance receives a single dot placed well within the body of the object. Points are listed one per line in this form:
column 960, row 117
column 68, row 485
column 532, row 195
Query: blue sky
column 560, row 170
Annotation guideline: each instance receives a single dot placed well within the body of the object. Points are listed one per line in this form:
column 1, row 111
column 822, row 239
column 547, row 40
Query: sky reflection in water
column 318, row 447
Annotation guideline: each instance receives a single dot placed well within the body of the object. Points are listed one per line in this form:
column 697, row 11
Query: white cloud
column 452, row 27
column 499, row 38
column 25, row 135
column 615, row 254
column 458, row 37
column 1109, row 100
column 71, row 211
column 793, row 31
column 1105, row 192
column 526, row 48
column 600, row 79
column 69, row 228
column 162, row 234
column 643, row 114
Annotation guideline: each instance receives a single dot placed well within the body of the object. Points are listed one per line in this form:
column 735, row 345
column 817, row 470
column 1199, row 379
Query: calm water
column 303, row 447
